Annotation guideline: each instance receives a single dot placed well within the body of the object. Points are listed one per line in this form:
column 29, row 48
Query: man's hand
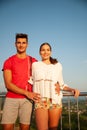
column 34, row 96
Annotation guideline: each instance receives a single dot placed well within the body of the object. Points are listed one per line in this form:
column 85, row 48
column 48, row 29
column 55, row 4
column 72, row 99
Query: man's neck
column 21, row 55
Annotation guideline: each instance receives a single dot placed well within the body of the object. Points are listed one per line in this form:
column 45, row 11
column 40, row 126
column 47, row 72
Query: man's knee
column 53, row 128
column 24, row 127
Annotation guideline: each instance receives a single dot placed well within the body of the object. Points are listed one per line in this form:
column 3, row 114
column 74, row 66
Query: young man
column 16, row 73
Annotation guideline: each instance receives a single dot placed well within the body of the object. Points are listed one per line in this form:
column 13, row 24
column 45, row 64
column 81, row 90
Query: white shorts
column 15, row 107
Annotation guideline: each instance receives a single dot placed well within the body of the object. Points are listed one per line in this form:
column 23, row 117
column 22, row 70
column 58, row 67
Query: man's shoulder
column 33, row 59
column 8, row 62
column 10, row 58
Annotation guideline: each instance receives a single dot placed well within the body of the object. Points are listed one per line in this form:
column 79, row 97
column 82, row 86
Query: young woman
column 45, row 74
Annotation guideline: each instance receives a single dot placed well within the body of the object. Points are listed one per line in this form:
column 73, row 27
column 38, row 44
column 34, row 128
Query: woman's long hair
column 52, row 60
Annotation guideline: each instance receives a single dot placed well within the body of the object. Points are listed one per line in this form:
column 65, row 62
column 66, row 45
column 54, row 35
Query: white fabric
column 44, row 79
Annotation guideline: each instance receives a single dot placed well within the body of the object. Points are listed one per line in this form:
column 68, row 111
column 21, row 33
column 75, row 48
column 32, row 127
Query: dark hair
column 52, row 60
column 21, row 35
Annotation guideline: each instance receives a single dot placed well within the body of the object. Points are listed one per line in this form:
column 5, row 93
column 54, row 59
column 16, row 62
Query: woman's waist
column 38, row 80
column 47, row 92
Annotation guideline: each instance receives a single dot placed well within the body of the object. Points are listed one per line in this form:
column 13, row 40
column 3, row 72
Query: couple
column 47, row 83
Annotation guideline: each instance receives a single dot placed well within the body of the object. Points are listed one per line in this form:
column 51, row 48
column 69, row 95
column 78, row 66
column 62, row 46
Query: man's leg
column 10, row 112
column 24, row 127
column 8, row 127
column 25, row 112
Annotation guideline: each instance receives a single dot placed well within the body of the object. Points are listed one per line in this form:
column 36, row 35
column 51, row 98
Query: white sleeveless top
column 44, row 78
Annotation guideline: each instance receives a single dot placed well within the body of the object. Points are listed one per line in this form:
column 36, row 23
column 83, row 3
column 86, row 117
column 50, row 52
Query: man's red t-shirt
column 20, row 69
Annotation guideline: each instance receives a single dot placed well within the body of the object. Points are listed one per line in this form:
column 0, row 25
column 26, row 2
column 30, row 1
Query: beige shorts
column 46, row 103
column 14, row 108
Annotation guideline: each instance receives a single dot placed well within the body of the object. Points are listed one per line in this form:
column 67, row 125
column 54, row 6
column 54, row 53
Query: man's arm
column 12, row 87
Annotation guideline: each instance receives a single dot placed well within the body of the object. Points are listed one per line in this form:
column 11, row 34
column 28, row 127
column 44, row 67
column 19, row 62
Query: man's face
column 21, row 45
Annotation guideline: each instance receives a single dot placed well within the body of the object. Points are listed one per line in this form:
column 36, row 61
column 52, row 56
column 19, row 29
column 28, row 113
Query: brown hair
column 21, row 35
column 52, row 60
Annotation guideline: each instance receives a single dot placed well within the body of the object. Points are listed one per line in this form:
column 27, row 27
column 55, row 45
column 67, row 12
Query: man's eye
column 21, row 42
column 18, row 42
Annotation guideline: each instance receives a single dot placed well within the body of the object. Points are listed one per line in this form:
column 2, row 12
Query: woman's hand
column 76, row 93
column 57, row 88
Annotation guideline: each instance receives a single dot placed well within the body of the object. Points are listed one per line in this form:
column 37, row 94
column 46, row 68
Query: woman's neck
column 46, row 61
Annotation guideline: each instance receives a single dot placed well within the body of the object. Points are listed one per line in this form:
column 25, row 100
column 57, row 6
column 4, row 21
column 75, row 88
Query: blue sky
column 62, row 23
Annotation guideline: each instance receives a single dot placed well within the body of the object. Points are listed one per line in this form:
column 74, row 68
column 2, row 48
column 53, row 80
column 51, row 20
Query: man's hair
column 21, row 35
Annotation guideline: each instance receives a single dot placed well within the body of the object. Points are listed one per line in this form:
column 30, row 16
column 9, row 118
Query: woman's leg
column 41, row 119
column 54, row 117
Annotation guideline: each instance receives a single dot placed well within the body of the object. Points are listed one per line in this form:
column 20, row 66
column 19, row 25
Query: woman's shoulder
column 37, row 63
column 59, row 65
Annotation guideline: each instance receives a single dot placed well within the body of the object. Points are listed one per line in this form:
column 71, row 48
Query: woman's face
column 45, row 52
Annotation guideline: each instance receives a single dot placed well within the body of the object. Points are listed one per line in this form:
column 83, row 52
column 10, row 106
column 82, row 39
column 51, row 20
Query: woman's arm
column 61, row 86
column 76, row 92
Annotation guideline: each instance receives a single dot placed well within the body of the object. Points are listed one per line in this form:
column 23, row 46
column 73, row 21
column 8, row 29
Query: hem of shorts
column 14, row 123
